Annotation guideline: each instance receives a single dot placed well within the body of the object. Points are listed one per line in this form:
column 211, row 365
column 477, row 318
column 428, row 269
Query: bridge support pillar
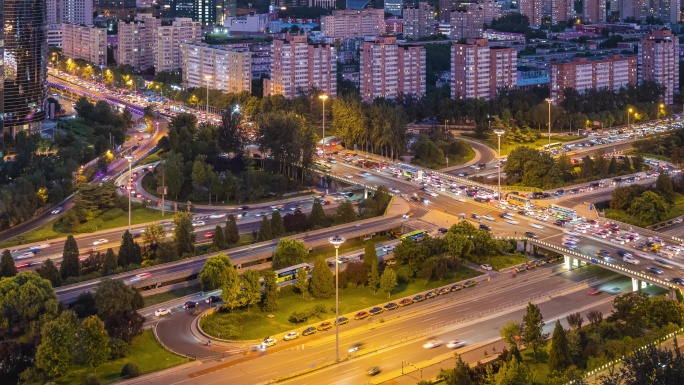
column 567, row 262
column 673, row 294
column 365, row 192
column 636, row 284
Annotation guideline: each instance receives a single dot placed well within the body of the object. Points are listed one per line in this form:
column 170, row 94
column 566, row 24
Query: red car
column 209, row 234
column 325, row 203
column 593, row 292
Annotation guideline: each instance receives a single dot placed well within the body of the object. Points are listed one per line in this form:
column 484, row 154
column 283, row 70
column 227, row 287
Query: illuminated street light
column 130, row 177
column 336, row 241
column 549, row 100
column 498, row 133
column 323, row 97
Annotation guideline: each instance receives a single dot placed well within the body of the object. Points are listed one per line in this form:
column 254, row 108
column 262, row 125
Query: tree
column 322, row 283
column 613, row 166
column 184, row 234
column 111, row 262
column 167, row 252
column 532, row 328
column 665, row 188
column 370, row 256
column 289, row 252
column 252, row 288
column 302, row 283
column 277, row 227
column 70, row 266
column 50, row 272
column 512, row 372
column 153, row 235
column 374, row 278
column 54, row 354
column 559, row 354
column 459, row 375
column 124, row 325
column 129, row 251
column 198, row 175
column 92, row 345
column 345, row 213
column 112, row 296
column 231, row 231
column 7, row 268
column 232, row 290
column 270, row 297
column 622, row 197
column 511, row 332
column 575, row 320
column 388, row 281
column 214, row 274
column 91, row 379
column 458, row 245
column 317, row 217
column 28, row 300
column 265, row 233
column 649, row 207
column 219, row 241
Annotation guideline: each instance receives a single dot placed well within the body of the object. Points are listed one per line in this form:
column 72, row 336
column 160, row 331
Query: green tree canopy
column 70, row 266
column 214, row 274
column 289, row 252
column 7, row 268
column 322, row 283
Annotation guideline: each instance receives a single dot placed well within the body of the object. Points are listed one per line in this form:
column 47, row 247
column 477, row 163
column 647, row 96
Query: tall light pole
column 629, row 112
column 323, row 97
column 661, row 106
column 130, row 179
column 549, row 100
column 337, row 241
column 207, row 78
column 498, row 133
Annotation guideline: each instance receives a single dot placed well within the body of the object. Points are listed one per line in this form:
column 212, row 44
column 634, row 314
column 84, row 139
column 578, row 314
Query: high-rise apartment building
column 393, row 7
column 533, row 10
column 388, row 69
column 419, row 22
column 205, row 12
column 562, row 10
column 137, row 42
column 613, row 72
column 468, row 19
column 77, row 11
column 83, row 42
column 659, row 61
column 168, row 39
column 182, row 8
column 479, row 70
column 23, row 88
column 297, row 66
column 594, row 11
column 352, row 24
column 220, row 68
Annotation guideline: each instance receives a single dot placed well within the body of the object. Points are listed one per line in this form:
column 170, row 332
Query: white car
column 455, row 344
column 365, row 174
column 25, row 255
column 100, row 242
column 432, row 344
column 487, row 217
column 542, row 218
column 512, row 222
column 56, row 211
column 161, row 312
column 573, row 233
column 618, row 241
column 291, row 336
column 432, row 194
column 394, row 190
column 39, row 247
column 217, row 216
column 269, row 342
column 198, row 223
column 675, row 249
column 388, row 248
column 486, row 266
column 536, row 226
column 459, row 199
column 348, row 176
column 570, row 245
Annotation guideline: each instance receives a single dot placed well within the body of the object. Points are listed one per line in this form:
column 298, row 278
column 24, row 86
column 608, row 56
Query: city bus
column 290, row 273
column 417, row 235
column 321, row 166
column 410, row 172
column 559, row 211
column 552, row 146
column 514, row 199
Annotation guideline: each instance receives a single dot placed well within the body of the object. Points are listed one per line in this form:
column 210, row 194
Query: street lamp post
column 130, row 175
column 207, row 77
column 549, row 100
column 629, row 112
column 336, row 242
column 323, row 97
column 498, row 133
column 661, row 106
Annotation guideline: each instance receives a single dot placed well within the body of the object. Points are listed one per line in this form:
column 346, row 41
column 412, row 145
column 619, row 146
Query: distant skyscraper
column 2, row 82
column 659, row 61
column 24, row 88
column 594, row 11
column 77, row 11
column 562, row 10
column 205, row 12
column 419, row 21
column 182, row 8
column 479, row 71
column 533, row 10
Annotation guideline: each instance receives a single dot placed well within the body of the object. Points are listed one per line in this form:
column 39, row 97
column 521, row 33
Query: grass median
column 503, row 261
column 145, row 351
column 255, row 324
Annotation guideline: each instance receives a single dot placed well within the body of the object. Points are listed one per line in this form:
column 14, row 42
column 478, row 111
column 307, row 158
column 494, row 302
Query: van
column 666, row 253
column 629, row 259
column 485, row 227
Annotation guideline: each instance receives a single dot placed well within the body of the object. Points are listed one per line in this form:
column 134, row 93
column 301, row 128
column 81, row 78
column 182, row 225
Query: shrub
column 91, row 379
column 317, row 310
column 404, row 273
column 130, row 370
column 118, row 349
column 298, row 317
column 112, row 214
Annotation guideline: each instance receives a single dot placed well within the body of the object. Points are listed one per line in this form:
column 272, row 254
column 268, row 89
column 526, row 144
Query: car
column 101, row 241
column 487, row 217
column 619, row 241
column 244, row 207
column 56, row 211
column 291, row 336
column 456, row 287
column 593, row 292
column 309, row 331
column 365, row 174
column 405, row 302
column 140, row 277
column 388, row 248
column 213, row 299
column 189, row 305
column 28, row 254
column 361, row 315
column 485, row 227
column 443, row 290
column 376, row 310
column 486, row 266
column 209, row 234
column 419, row 298
column 198, row 223
column 431, row 344
column 161, row 312
column 469, row 283
column 430, row 294
column 654, row 270
column 455, row 344
column 570, row 245
column 373, row 371
column 391, row 306
column 269, row 342
column 39, row 247
column 324, row 326
column 342, row 320
column 348, row 176
column 356, row 347
column 425, row 200
column 678, row 280
column 442, row 230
